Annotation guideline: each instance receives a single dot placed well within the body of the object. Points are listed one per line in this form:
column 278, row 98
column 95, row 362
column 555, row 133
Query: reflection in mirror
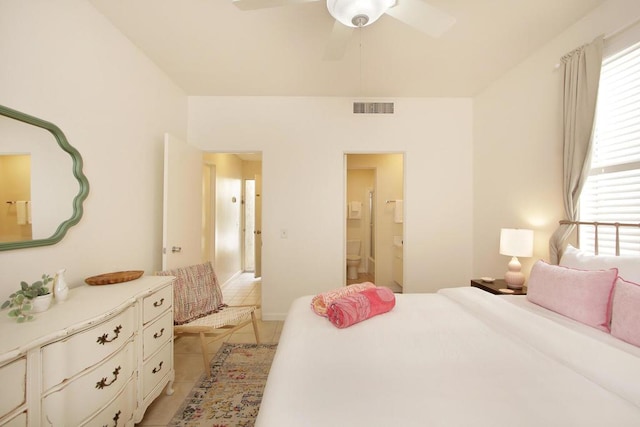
column 41, row 182
column 15, row 190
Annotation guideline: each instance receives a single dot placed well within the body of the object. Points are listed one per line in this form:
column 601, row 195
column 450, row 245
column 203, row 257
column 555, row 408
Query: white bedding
column 462, row 357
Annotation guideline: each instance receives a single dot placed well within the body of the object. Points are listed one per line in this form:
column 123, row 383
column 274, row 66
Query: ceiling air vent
column 373, row 108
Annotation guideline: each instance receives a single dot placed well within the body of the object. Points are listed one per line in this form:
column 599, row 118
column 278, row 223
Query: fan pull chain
column 360, row 60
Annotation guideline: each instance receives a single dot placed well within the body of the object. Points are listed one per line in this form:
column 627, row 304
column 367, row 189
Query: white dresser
column 97, row 359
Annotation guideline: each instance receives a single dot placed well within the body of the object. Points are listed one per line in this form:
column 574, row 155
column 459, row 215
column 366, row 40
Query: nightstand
column 495, row 287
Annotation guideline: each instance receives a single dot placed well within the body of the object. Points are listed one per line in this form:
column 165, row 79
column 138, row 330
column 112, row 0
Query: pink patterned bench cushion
column 196, row 292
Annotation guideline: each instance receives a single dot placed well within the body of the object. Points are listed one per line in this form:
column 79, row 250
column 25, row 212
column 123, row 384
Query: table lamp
column 515, row 242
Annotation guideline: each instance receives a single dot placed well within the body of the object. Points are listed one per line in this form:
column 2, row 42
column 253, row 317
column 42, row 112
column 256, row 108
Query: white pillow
column 628, row 266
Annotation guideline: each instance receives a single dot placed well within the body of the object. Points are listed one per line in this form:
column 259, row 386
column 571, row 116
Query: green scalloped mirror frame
column 83, row 191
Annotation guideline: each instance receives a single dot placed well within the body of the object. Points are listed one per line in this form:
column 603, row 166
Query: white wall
column 517, row 134
column 303, row 142
column 65, row 63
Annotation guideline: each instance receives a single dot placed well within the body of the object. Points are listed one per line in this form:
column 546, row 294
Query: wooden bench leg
column 203, row 344
column 255, row 326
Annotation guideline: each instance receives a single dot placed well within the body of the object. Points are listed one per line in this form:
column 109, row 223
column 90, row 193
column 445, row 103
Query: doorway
column 374, row 218
column 231, row 214
column 202, row 207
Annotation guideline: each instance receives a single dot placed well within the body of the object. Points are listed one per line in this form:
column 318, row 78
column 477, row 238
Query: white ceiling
column 210, row 47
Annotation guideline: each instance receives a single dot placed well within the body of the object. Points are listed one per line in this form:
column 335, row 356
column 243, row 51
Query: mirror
column 42, row 185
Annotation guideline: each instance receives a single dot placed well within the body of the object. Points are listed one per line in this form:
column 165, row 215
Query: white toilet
column 353, row 258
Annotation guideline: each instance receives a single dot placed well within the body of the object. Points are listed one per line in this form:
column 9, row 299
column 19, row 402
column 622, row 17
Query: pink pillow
column 625, row 316
column 579, row 294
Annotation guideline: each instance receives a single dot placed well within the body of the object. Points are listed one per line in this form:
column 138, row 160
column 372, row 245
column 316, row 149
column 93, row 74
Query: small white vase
column 60, row 287
column 41, row 303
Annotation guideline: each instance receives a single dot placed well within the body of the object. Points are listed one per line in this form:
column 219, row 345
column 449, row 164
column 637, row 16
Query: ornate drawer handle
column 104, row 338
column 158, row 369
column 158, row 304
column 159, row 334
column 115, row 419
column 103, row 382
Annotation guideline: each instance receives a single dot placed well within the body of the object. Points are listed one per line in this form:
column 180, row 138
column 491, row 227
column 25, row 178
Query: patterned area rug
column 231, row 396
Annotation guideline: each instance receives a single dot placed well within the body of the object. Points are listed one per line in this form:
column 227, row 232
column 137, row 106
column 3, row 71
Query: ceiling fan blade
column 263, row 4
column 422, row 16
column 338, row 40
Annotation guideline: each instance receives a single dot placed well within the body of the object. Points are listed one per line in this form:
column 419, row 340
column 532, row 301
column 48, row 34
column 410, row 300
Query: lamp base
column 514, row 277
column 514, row 280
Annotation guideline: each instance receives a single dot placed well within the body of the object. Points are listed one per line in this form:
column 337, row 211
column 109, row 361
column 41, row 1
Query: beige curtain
column 581, row 78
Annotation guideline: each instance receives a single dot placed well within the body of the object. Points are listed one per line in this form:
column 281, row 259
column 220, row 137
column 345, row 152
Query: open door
column 258, row 227
column 182, row 204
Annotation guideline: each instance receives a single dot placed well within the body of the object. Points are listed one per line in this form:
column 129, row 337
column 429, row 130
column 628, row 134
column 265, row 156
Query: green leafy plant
column 19, row 302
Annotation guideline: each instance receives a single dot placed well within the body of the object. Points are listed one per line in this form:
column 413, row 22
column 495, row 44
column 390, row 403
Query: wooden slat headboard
column 596, row 225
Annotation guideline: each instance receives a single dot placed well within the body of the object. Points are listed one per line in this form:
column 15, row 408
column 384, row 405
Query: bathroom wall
column 359, row 181
column 15, row 179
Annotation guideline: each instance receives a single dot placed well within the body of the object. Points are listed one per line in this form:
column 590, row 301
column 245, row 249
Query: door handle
column 258, row 232
column 176, row 249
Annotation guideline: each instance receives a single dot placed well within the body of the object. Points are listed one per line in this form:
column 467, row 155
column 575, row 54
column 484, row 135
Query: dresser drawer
column 18, row 421
column 157, row 334
column 13, row 380
column 119, row 412
column 157, row 368
column 73, row 403
column 157, row 303
column 64, row 359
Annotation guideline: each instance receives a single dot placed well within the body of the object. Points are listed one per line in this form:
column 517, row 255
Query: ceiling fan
column 351, row 14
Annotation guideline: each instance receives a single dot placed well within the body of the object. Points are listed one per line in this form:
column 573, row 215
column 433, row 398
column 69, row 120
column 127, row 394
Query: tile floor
column 245, row 289
column 362, row 277
column 367, row 277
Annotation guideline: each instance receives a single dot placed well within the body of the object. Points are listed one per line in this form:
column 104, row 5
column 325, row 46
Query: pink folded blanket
column 354, row 308
column 320, row 302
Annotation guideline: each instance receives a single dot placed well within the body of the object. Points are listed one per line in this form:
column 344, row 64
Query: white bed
column 461, row 357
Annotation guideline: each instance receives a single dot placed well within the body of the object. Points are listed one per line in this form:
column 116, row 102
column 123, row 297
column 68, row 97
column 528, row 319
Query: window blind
column 612, row 190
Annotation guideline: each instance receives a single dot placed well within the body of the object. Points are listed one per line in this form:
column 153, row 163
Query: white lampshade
column 346, row 10
column 516, row 242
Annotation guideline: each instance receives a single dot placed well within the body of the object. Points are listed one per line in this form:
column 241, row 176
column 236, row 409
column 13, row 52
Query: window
column 612, row 190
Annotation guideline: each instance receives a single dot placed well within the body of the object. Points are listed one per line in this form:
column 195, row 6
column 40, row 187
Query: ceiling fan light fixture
column 358, row 13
